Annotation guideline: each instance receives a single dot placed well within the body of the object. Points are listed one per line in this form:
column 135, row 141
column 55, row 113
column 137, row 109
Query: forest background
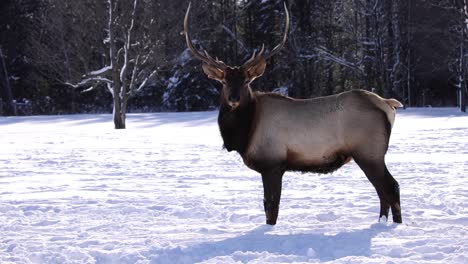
column 65, row 57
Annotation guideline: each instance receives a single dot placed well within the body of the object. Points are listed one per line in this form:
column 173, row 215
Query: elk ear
column 213, row 72
column 257, row 69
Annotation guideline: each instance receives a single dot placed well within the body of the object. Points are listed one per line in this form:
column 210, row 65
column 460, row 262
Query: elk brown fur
column 275, row 133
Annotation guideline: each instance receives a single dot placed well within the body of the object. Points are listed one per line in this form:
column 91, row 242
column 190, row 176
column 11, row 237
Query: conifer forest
column 66, row 57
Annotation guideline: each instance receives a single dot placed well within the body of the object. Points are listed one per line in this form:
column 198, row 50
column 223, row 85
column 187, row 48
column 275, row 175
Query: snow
column 282, row 90
column 101, row 71
column 74, row 190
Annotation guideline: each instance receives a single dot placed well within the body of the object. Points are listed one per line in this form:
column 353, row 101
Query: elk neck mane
column 236, row 125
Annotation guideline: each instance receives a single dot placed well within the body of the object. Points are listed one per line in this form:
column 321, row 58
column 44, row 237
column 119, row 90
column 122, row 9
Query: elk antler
column 204, row 57
column 255, row 58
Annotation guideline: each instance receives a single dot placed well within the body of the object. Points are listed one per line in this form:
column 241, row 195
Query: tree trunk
column 397, row 78
column 390, row 50
column 408, row 57
column 8, row 104
column 367, row 53
column 463, row 97
column 118, row 113
column 119, row 120
column 462, row 78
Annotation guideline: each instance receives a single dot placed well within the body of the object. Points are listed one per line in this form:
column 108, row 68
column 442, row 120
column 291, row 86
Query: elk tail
column 394, row 103
column 387, row 105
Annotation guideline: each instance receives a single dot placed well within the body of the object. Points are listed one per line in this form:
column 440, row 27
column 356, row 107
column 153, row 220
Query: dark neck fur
column 235, row 125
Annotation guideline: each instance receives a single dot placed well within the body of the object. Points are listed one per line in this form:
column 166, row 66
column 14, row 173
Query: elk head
column 235, row 80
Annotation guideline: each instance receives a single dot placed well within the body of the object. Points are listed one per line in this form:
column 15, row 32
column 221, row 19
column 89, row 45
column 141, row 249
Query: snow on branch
column 146, row 57
column 88, row 81
column 151, row 76
column 89, row 89
column 134, row 72
column 109, row 88
column 143, row 83
column 101, row 71
column 325, row 54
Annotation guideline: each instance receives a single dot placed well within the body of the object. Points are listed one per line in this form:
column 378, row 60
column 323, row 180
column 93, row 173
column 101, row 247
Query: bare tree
column 459, row 24
column 129, row 64
column 397, row 67
column 57, row 46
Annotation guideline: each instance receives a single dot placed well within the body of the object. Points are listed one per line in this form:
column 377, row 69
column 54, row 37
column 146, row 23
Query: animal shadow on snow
column 324, row 247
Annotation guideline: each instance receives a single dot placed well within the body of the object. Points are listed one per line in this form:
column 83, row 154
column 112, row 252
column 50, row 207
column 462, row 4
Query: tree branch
column 100, row 71
column 325, row 54
column 134, row 72
column 87, row 81
column 151, row 76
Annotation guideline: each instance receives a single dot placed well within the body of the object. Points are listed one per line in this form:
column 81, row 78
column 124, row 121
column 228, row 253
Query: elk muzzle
column 233, row 101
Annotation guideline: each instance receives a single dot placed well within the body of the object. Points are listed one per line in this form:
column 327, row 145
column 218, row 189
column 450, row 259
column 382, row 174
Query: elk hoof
column 397, row 219
column 271, row 217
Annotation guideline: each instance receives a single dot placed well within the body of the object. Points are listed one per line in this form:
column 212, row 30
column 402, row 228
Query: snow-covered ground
column 74, row 190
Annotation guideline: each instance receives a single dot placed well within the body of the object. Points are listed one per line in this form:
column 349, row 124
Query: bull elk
column 275, row 133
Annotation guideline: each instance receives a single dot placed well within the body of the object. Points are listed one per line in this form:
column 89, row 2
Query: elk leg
column 386, row 186
column 392, row 188
column 272, row 180
column 384, row 205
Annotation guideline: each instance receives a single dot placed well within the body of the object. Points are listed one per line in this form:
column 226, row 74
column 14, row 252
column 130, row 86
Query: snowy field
column 74, row 190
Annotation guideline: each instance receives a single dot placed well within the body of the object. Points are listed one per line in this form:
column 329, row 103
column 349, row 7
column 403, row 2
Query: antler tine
column 285, row 36
column 204, row 57
column 255, row 57
column 251, row 58
column 262, row 50
column 219, row 63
